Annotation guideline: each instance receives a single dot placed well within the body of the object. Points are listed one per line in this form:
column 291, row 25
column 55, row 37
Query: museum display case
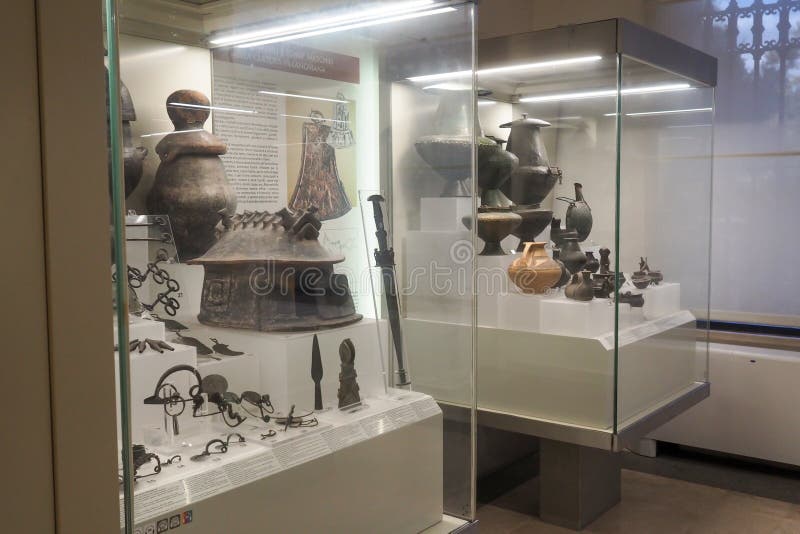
column 592, row 245
column 267, row 159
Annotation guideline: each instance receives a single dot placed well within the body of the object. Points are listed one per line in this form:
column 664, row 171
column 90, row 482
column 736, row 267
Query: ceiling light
column 304, row 96
column 348, row 17
column 664, row 112
column 508, row 68
column 608, row 92
column 215, row 108
column 306, row 117
column 486, row 102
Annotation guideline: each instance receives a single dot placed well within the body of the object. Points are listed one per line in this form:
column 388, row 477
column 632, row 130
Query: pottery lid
column 526, row 121
column 285, row 237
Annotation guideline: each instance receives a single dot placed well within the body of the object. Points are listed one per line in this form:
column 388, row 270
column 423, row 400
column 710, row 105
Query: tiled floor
column 653, row 505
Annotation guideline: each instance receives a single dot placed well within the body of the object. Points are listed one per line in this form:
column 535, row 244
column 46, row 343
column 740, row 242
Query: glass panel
column 664, row 237
column 542, row 354
column 248, row 135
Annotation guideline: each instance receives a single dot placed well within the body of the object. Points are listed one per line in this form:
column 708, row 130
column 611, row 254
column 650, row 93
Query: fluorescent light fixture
column 348, row 17
column 486, row 102
column 668, row 112
column 608, row 92
column 351, row 21
column 215, row 108
column 664, row 112
column 449, row 87
column 275, row 93
column 508, row 68
column 314, row 118
column 172, row 131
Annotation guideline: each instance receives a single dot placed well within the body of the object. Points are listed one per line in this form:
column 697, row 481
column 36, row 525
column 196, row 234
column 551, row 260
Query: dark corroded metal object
column 319, row 184
column 579, row 214
column 202, row 349
column 222, row 348
column 155, row 344
column 493, row 171
column 190, row 184
column 269, row 272
column 316, row 372
column 133, row 157
column 636, row 300
column 348, row 387
column 533, row 180
column 534, row 221
column 493, row 227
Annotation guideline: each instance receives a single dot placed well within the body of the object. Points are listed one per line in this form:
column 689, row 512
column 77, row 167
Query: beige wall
column 26, row 496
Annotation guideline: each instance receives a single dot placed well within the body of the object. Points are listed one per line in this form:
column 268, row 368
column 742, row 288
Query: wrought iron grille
column 770, row 23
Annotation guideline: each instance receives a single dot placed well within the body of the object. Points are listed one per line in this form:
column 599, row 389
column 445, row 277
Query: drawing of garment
column 341, row 135
column 319, row 184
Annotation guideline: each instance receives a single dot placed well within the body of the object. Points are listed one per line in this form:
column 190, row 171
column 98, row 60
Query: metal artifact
column 316, row 372
column 291, row 420
column 556, row 232
column 220, row 447
column 262, row 402
column 592, row 264
column 161, row 277
column 155, row 344
column 640, row 282
column 172, row 407
column 133, row 157
column 170, row 324
column 579, row 214
column 533, row 180
column 200, row 347
column 384, row 258
column 603, row 285
column 222, row 348
column 534, row 271
column 348, row 386
column 583, row 289
column 448, row 150
column 493, row 171
column 215, row 387
column 494, row 225
column 269, row 272
column 562, row 281
column 636, row 300
column 190, row 183
column 142, row 457
column 571, row 254
column 319, row 184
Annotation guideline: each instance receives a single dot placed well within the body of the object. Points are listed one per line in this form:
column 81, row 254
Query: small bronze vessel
column 493, row 227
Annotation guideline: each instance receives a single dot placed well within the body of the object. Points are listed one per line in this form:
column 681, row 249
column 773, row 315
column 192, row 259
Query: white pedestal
column 661, row 300
column 440, row 214
column 140, row 329
column 284, row 361
column 567, row 317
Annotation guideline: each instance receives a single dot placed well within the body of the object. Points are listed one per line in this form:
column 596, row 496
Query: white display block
column 661, row 300
column 444, row 214
column 242, row 372
column 139, row 328
column 567, row 317
column 284, row 360
column 145, row 370
column 190, row 277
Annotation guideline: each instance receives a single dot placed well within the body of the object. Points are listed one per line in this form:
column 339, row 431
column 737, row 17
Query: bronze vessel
column 190, row 184
column 533, row 180
column 269, row 272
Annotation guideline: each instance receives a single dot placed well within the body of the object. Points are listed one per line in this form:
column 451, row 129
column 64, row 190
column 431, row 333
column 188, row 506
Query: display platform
column 277, row 480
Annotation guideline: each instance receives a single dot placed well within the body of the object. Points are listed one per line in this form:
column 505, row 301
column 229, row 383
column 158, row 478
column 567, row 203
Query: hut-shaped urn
column 268, row 272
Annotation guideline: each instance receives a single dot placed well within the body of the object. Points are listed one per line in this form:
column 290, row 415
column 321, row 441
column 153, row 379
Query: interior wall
column 26, row 500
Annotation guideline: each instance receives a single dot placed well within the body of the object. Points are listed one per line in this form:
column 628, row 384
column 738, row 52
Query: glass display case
column 267, row 161
column 592, row 244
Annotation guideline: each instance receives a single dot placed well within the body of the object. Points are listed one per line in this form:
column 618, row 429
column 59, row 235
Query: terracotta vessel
column 534, row 221
column 579, row 214
column 564, row 271
column 592, row 264
column 190, row 184
column 533, row 180
column 582, row 290
column 493, row 227
column 534, row 271
column 571, row 255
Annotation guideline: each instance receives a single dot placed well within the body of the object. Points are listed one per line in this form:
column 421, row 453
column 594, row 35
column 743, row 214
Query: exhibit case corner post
column 261, row 297
column 595, row 232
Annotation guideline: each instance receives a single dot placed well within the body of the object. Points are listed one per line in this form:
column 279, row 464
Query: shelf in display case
column 187, row 482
